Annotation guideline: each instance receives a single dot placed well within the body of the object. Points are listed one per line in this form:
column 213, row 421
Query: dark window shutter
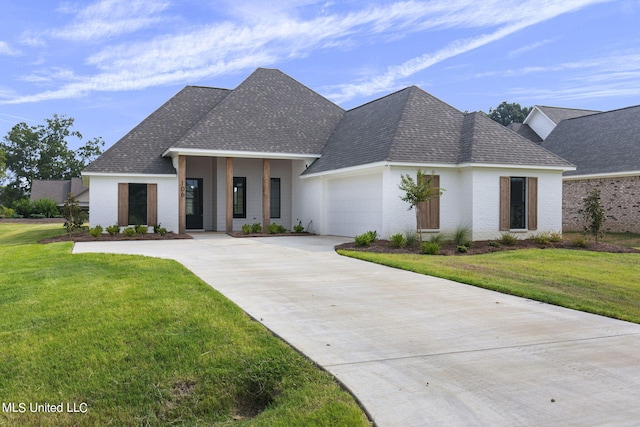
column 152, row 204
column 532, row 203
column 505, row 202
column 123, row 204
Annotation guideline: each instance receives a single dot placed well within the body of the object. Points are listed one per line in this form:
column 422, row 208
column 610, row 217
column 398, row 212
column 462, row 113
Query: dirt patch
column 86, row 237
column 485, row 246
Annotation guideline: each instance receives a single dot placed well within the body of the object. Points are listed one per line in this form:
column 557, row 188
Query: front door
column 194, row 203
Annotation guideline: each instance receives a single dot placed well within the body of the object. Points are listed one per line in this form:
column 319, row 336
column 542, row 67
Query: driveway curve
column 417, row 350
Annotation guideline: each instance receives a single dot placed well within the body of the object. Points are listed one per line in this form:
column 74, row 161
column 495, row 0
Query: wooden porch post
column 266, row 194
column 229, row 217
column 182, row 199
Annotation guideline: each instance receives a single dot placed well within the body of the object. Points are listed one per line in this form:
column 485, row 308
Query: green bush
column 96, row 231
column 6, row 212
column 430, row 248
column 274, row 228
column 299, row 228
column 541, row 238
column 74, row 216
column 398, row 240
column 493, row 244
column 461, row 236
column 508, row 239
column 113, row 230
column 579, row 242
column 46, row 207
column 129, row 231
column 555, row 237
column 23, row 207
column 365, row 239
column 462, row 249
column 246, row 228
column 159, row 229
column 412, row 238
column 256, row 228
column 37, row 216
column 141, row 229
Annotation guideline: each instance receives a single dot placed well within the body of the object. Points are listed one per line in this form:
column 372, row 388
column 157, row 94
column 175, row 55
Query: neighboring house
column 543, row 119
column 272, row 150
column 605, row 147
column 59, row 191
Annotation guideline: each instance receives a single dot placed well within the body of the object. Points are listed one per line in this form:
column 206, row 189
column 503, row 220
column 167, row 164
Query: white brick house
column 272, row 150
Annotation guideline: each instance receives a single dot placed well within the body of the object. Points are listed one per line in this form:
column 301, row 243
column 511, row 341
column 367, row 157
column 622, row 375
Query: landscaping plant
column 417, row 192
column 73, row 215
column 398, row 240
column 593, row 213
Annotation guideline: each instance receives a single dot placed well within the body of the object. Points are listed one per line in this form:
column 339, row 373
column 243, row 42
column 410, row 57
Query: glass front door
column 194, row 204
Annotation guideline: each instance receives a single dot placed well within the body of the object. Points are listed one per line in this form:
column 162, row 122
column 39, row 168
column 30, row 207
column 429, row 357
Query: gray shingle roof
column 140, row 151
column 607, row 142
column 56, row 190
column 268, row 112
column 526, row 131
column 414, row 126
column 558, row 114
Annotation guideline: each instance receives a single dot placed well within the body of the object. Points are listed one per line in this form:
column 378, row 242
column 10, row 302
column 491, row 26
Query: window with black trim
column 137, row 204
column 275, row 197
column 518, row 203
column 239, row 197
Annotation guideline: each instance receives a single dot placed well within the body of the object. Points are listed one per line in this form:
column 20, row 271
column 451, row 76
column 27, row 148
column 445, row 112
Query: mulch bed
column 482, row 247
column 288, row 233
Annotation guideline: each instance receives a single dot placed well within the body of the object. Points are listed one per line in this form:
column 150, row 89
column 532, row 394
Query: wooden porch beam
column 182, row 199
column 266, row 194
column 229, row 205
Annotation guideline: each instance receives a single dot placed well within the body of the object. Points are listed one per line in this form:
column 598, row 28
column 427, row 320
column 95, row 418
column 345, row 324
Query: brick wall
column 619, row 196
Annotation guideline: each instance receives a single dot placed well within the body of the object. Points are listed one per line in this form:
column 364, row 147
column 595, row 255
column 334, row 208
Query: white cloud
column 108, row 18
column 517, row 52
column 269, row 38
column 6, row 49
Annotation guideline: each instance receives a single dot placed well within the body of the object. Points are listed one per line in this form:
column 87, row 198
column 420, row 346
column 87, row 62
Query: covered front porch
column 217, row 193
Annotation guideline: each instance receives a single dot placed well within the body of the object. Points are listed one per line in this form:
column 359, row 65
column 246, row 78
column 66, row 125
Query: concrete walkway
column 419, row 350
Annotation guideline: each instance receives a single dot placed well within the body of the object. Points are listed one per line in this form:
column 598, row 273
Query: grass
column 595, row 282
column 143, row 341
column 623, row 239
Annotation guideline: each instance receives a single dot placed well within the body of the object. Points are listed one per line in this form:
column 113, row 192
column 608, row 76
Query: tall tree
column 42, row 152
column 507, row 113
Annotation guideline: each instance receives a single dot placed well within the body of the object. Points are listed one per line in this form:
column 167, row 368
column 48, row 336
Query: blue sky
column 110, row 63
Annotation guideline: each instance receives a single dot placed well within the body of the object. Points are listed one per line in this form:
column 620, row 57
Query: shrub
column 436, row 238
column 508, row 239
column 23, row 207
column 430, row 248
column 46, row 207
column 37, row 216
column 412, row 238
column 96, row 231
column 365, row 239
column 256, row 228
column 299, row 228
column 397, row 240
column 113, row 230
column 461, row 236
column 493, row 244
column 579, row 242
column 246, row 228
column 593, row 213
column 541, row 238
column 141, row 229
column 129, row 231
column 274, row 228
column 6, row 212
column 161, row 231
column 462, row 249
column 555, row 237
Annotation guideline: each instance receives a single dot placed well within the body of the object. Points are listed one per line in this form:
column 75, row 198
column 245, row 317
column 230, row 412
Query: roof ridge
column 600, row 113
column 382, row 97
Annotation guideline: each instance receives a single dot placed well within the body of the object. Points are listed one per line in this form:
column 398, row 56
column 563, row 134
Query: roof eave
column 176, row 151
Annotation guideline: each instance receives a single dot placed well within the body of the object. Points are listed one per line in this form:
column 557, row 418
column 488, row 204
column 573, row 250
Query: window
column 518, row 203
column 137, row 204
column 275, row 198
column 239, row 197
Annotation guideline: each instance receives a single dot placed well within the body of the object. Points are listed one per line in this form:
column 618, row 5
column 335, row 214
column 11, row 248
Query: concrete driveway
column 418, row 350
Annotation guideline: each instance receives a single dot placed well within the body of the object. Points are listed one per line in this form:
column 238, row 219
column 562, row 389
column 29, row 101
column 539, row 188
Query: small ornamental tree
column 74, row 216
column 593, row 213
column 418, row 191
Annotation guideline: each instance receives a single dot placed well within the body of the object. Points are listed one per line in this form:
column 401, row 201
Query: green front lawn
column 129, row 340
column 596, row 282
